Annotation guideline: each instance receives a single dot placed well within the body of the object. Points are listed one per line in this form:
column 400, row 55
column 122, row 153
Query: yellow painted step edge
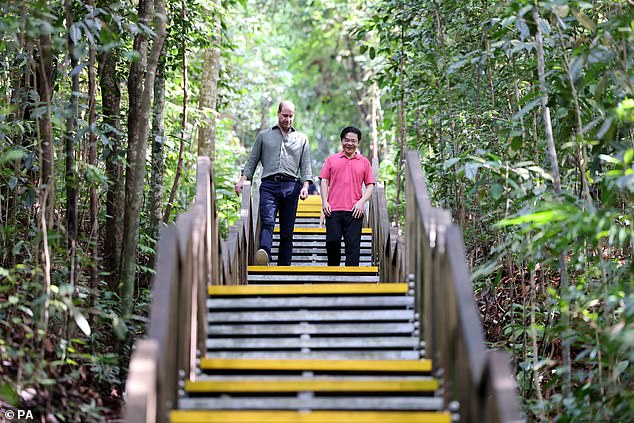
column 313, row 269
column 304, row 289
column 304, row 230
column 201, row 416
column 211, row 363
column 321, row 385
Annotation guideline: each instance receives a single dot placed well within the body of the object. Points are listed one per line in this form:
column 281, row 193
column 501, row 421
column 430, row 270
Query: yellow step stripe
column 321, row 385
column 211, row 363
column 200, row 416
column 299, row 230
column 304, row 289
column 313, row 269
column 307, row 214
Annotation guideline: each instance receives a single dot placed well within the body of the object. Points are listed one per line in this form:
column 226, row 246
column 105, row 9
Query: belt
column 279, row 177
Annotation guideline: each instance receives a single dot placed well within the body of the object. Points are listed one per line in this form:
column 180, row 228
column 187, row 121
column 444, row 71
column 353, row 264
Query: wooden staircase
column 312, row 343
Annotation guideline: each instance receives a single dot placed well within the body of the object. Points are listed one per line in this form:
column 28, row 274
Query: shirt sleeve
column 305, row 166
column 369, row 175
column 325, row 170
column 254, row 157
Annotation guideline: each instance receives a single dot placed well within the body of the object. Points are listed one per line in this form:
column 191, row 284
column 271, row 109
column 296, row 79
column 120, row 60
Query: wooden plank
column 301, row 230
column 312, row 385
column 352, row 329
column 321, row 238
column 276, row 343
column 384, row 402
column 313, row 270
column 311, row 302
column 311, row 316
column 319, row 250
column 276, row 279
column 200, row 416
column 321, row 263
column 213, row 363
column 322, row 355
column 319, row 244
column 321, row 289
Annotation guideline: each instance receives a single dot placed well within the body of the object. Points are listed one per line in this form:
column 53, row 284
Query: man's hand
column 238, row 187
column 326, row 209
column 303, row 194
column 357, row 209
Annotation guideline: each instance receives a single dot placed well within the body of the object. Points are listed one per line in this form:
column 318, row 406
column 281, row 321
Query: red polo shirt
column 346, row 176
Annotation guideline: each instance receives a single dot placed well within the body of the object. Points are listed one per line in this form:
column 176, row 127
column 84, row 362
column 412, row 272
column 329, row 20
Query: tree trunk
column 402, row 130
column 158, row 156
column 552, row 154
column 69, row 153
column 181, row 149
column 209, row 92
column 111, row 109
column 47, row 177
column 138, row 118
column 92, row 161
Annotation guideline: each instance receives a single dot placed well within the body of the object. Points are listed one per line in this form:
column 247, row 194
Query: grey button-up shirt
column 288, row 155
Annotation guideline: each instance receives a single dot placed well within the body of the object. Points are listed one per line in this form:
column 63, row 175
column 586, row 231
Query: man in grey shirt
column 286, row 174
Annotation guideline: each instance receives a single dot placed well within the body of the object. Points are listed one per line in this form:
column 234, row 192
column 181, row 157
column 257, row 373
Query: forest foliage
column 522, row 112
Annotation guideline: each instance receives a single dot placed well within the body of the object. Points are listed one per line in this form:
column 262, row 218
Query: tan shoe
column 261, row 257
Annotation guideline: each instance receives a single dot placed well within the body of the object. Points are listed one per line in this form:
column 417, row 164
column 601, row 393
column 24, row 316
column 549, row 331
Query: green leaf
column 496, row 191
column 628, row 156
column 81, row 322
column 11, row 155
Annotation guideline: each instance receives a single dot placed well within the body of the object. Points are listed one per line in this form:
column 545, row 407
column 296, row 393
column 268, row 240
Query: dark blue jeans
column 282, row 197
column 341, row 223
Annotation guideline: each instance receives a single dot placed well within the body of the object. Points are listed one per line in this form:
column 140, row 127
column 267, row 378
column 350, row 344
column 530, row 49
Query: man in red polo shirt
column 343, row 201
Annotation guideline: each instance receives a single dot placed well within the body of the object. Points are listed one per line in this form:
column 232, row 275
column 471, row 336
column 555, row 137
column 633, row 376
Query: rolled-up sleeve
column 305, row 166
column 254, row 158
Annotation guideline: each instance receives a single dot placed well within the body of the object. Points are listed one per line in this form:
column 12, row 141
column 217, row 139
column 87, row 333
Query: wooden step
column 311, row 402
column 314, row 270
column 311, row 316
column 319, row 249
column 312, row 279
column 296, row 343
column 323, row 355
column 319, row 245
column 302, row 230
column 312, row 384
column 359, row 301
column 315, row 328
column 203, row 416
column 301, row 289
column 418, row 366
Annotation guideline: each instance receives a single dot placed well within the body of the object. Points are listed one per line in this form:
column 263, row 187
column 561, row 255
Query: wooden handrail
column 191, row 255
column 387, row 243
column 436, row 263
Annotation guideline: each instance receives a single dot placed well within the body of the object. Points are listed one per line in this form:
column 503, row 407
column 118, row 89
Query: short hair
column 282, row 103
column 349, row 129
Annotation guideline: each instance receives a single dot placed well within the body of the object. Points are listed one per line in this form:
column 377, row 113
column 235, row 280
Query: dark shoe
column 261, row 257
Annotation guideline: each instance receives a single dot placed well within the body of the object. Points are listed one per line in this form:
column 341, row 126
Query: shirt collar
column 278, row 128
column 356, row 155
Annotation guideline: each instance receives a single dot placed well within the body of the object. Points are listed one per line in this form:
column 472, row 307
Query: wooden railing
column 191, row 255
column 387, row 243
column 479, row 380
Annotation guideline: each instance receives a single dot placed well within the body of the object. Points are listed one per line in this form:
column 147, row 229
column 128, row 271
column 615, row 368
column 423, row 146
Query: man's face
column 350, row 142
column 285, row 117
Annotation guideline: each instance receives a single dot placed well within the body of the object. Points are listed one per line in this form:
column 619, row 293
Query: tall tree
column 140, row 89
column 69, row 153
column 209, row 88
column 110, row 87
